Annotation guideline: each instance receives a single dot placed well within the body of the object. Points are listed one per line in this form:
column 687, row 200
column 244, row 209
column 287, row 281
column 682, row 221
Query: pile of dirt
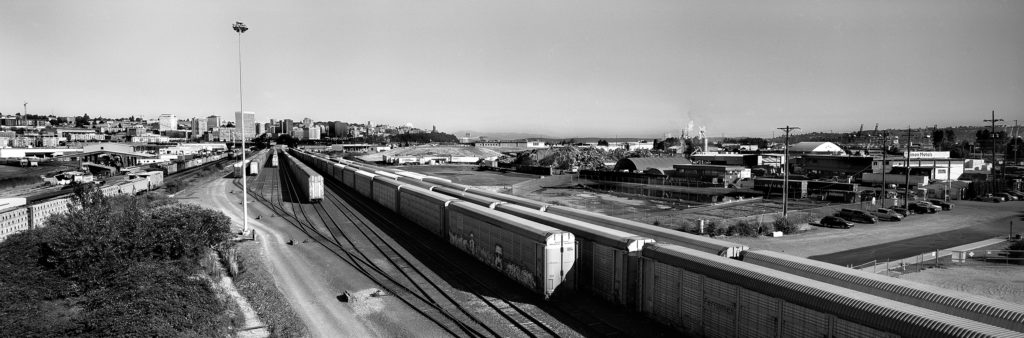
column 428, row 150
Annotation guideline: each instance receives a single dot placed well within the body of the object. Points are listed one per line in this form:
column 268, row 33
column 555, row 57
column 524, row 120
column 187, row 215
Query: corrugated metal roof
column 992, row 311
column 504, row 221
column 599, row 234
column 869, row 310
column 644, row 163
column 706, row 244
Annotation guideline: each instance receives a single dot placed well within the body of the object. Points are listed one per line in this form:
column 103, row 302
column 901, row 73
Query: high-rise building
column 286, row 126
column 167, row 122
column 213, row 121
column 198, row 127
column 313, row 133
column 245, row 124
column 259, row 129
column 307, row 122
column 339, row 129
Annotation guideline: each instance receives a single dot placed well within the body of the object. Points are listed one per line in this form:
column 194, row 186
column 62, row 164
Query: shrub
column 1018, row 245
column 746, row 228
column 785, row 225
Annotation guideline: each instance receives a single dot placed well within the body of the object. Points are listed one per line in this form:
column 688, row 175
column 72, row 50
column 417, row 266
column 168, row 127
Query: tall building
column 339, row 129
column 307, row 122
column 259, row 129
column 198, row 127
column 245, row 124
column 286, row 126
column 312, row 132
column 167, row 122
column 213, row 121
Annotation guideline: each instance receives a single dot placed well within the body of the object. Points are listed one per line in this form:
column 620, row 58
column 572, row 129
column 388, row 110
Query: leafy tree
column 602, row 143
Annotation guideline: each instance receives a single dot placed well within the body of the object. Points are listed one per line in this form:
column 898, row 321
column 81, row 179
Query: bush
column 746, row 228
column 785, row 225
column 1018, row 245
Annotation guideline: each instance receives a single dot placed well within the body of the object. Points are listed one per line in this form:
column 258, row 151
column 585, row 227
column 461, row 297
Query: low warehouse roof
column 644, row 163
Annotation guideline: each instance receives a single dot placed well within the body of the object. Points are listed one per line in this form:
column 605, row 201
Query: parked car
column 1015, row 193
column 858, row 216
column 945, row 205
column 835, row 222
column 888, row 215
column 989, row 198
column 1005, row 196
column 902, row 211
column 921, row 207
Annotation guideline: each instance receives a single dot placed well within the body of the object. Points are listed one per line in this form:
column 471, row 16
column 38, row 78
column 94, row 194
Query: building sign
column 928, row 154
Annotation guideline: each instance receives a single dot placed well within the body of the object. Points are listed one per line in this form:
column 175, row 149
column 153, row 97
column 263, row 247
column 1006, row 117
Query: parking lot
column 969, row 221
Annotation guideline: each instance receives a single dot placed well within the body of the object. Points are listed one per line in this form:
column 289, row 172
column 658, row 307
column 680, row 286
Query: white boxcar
column 534, row 255
column 708, row 295
column 662, row 235
column 983, row 309
column 364, row 183
column 425, row 208
column 510, row 199
column 40, row 211
column 311, row 184
column 385, row 192
column 608, row 260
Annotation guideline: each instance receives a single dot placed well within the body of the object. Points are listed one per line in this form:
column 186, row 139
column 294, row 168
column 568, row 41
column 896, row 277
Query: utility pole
column 26, row 108
column 906, row 196
column 785, row 172
column 992, row 137
column 885, row 144
column 241, row 28
column 1015, row 145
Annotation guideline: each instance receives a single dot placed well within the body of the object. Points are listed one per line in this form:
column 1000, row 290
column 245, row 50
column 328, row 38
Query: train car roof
column 386, row 174
column 506, row 221
column 365, row 173
column 477, row 199
column 410, row 174
column 870, row 310
column 389, row 182
column 607, row 236
column 426, row 193
column 1005, row 311
column 657, row 233
column 510, row 198
column 445, row 182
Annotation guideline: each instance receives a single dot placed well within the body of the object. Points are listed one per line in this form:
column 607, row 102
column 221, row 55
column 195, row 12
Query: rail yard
column 420, row 239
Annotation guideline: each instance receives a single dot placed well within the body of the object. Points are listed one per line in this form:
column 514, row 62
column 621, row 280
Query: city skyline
column 554, row 68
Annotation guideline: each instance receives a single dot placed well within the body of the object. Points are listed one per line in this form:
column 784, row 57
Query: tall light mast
column 240, row 28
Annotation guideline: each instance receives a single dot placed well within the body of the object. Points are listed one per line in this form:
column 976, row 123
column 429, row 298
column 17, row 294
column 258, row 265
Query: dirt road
column 309, row 275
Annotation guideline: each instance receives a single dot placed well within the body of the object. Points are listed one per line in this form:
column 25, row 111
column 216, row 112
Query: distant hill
column 500, row 135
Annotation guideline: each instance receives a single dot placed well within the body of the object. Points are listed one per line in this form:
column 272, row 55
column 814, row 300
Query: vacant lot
column 997, row 281
column 432, row 151
column 468, row 174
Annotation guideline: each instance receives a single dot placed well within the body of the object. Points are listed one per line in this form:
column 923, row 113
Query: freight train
column 17, row 219
column 698, row 285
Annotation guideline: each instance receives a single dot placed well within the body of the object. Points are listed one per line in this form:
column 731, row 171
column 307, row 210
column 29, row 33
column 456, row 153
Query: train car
column 110, row 190
column 987, row 310
column 445, row 183
column 363, row 183
column 337, row 171
column 489, row 203
column 708, row 295
column 237, row 169
column 385, row 192
column 39, row 212
column 409, row 174
column 156, row 179
column 662, row 235
column 534, row 255
column 526, row 202
column 425, row 208
column 254, row 168
column 13, row 220
column 311, row 184
column 608, row 260
column 386, row 174
column 348, row 177
column 138, row 185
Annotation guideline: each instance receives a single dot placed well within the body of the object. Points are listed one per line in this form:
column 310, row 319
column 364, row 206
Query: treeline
column 418, row 138
column 119, row 266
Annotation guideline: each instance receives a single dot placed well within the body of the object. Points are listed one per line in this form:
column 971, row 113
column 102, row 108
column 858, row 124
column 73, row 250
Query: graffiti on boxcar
column 520, row 274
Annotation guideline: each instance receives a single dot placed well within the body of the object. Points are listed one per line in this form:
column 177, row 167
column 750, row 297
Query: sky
column 560, row 68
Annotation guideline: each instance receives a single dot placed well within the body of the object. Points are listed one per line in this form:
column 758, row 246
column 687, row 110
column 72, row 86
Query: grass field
column 468, row 174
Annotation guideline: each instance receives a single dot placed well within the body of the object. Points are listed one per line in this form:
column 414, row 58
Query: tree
column 602, row 143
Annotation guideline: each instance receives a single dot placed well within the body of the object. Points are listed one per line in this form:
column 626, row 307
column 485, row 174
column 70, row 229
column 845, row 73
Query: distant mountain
column 499, row 135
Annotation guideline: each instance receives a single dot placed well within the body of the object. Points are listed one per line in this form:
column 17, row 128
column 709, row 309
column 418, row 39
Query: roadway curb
column 931, row 255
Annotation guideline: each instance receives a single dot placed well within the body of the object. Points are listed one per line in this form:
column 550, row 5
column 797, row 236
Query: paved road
column 937, row 241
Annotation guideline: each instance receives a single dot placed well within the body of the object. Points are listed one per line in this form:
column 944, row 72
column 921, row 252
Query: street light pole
column 240, row 28
column 785, row 172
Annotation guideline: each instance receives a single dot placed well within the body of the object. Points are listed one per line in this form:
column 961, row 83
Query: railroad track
column 303, row 217
column 403, row 277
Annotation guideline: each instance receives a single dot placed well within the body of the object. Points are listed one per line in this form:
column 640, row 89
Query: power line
column 992, row 138
column 785, row 171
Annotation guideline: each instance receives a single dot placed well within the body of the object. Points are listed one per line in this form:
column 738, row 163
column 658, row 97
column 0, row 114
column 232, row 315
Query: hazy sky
column 563, row 68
